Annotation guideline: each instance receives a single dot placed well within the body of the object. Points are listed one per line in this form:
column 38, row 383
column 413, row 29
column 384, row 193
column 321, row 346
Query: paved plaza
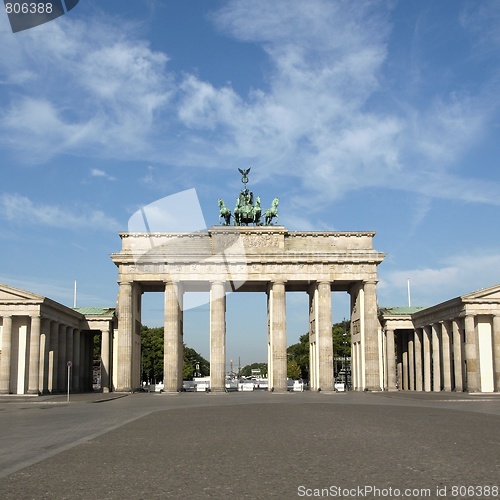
column 249, row 445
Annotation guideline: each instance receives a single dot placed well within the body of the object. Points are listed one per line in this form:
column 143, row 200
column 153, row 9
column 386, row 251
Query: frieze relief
column 226, row 242
column 261, row 240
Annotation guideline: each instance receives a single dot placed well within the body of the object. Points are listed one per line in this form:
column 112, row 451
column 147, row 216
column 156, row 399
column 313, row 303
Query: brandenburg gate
column 266, row 259
column 259, row 258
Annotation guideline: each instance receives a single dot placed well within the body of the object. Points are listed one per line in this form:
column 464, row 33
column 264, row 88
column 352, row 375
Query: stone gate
column 267, row 259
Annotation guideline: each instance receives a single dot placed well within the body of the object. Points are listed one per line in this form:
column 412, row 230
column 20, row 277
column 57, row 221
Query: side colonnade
column 453, row 346
column 34, row 356
column 39, row 338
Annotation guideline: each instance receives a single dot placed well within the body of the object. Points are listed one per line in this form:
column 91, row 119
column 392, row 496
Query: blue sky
column 379, row 116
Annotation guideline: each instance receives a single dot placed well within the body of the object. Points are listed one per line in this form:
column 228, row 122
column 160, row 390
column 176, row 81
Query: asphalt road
column 250, row 445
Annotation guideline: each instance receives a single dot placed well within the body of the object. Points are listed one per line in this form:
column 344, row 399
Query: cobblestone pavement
column 249, row 445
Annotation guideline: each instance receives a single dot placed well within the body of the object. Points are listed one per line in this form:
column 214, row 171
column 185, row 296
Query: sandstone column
column 496, row 352
column 87, row 364
column 457, row 355
column 371, row 325
column 427, row 358
column 354, row 365
column 324, row 337
column 61, row 360
column 172, row 352
column 82, row 380
column 125, row 338
column 411, row 361
column 313, row 365
column 217, row 337
column 446, row 351
column 471, row 358
column 76, row 362
column 399, row 360
column 277, row 309
column 436, row 357
column 70, row 339
column 5, row 360
column 34, row 356
column 418, row 358
column 105, row 359
column 404, row 341
column 44, row 357
column 391, row 361
column 53, row 358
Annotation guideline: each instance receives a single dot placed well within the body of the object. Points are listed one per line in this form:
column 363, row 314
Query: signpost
column 70, row 364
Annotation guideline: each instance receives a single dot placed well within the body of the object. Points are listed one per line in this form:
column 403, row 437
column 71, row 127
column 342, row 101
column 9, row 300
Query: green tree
column 194, row 364
column 246, row 371
column 342, row 339
column 152, row 354
column 299, row 352
column 293, row 370
column 152, row 357
column 187, row 370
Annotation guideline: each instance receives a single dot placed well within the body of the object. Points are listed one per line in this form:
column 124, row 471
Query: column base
column 279, row 390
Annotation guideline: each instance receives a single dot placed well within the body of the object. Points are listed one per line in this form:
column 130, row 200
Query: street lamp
column 345, row 350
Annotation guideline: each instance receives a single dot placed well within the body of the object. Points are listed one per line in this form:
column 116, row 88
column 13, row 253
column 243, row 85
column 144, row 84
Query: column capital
column 171, row 282
column 278, row 281
column 218, row 282
column 271, row 284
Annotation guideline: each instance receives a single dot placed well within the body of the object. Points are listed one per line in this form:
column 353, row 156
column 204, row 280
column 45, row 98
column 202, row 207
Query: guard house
column 452, row 346
column 39, row 337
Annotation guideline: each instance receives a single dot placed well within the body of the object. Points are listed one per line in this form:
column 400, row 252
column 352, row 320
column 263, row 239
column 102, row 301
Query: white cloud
column 328, row 116
column 459, row 274
column 93, row 95
column 95, row 172
column 21, row 210
column 148, row 177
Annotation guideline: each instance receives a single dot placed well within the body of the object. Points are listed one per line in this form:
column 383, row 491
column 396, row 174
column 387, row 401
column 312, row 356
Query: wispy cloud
column 95, row 172
column 459, row 274
column 21, row 210
column 148, row 178
column 332, row 116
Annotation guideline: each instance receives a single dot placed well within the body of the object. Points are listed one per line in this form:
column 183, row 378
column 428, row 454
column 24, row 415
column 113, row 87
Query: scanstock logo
column 27, row 14
column 181, row 213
